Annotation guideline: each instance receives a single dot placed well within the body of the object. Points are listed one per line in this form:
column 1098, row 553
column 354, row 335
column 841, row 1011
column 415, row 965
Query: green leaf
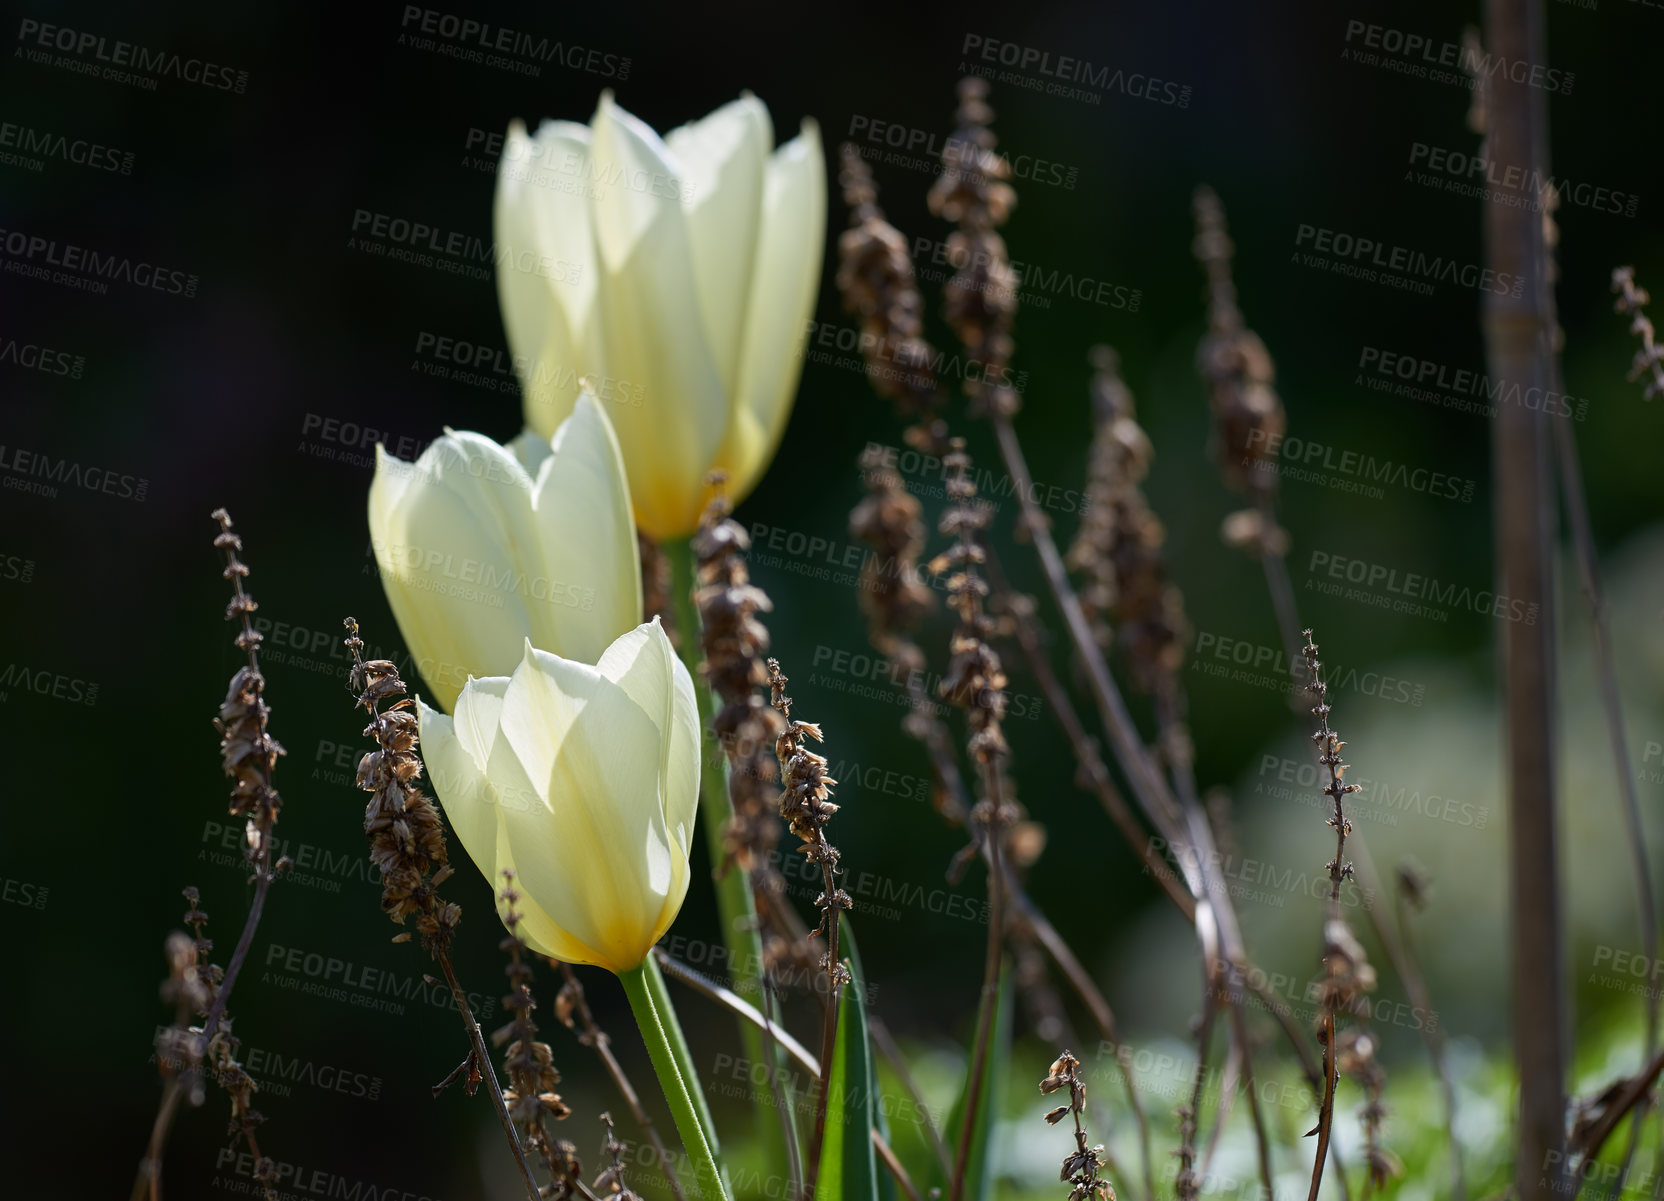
column 848, row 1164
column 978, row 1179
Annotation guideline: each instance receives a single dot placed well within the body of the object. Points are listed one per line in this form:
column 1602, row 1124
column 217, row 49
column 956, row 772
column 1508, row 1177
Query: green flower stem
column 679, row 1048
column 735, row 906
column 669, row 1053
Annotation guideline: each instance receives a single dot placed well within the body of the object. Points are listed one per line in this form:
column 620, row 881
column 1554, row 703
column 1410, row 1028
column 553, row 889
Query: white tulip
column 677, row 275
column 582, row 780
column 482, row 546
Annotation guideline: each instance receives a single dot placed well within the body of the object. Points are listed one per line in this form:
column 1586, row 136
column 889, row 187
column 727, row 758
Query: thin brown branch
column 482, row 1058
column 1519, row 327
column 598, row 1038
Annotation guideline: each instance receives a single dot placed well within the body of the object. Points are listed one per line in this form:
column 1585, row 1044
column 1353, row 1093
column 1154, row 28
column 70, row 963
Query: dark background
column 210, row 397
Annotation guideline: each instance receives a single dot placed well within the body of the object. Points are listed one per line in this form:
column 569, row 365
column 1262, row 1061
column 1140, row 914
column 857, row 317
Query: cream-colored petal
column 537, row 928
column 465, row 793
column 529, row 449
column 647, row 668
column 785, row 285
column 545, row 260
column 479, row 712
column 444, row 531
column 597, row 857
column 722, row 159
column 589, row 553
column 653, row 329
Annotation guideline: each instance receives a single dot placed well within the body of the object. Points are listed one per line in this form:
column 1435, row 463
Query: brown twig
column 407, row 842
column 1519, row 327
column 805, row 803
column 249, row 754
column 1632, row 301
column 572, row 1003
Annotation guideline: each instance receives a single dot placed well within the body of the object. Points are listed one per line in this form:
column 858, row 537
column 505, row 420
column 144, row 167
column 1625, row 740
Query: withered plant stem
column 437, row 947
column 1102, row 1015
column 598, row 1038
column 1606, row 673
column 1329, row 756
column 149, row 1179
column 482, row 1061
column 1519, row 346
column 990, row 985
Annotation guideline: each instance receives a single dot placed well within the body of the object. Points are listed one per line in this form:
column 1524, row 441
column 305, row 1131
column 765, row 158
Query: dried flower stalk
column 249, row 755
column 1649, row 359
column 806, row 806
column 1083, row 1167
column 529, row 1063
column 407, row 842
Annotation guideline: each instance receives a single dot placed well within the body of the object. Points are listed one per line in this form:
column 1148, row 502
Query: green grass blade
column 849, row 1168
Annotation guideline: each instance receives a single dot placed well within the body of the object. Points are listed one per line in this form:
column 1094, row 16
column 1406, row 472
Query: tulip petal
column 721, row 159
column 646, row 285
column 438, row 528
column 591, row 563
column 530, row 448
column 784, row 286
column 464, row 791
column 595, row 855
column 647, row 668
column 546, row 276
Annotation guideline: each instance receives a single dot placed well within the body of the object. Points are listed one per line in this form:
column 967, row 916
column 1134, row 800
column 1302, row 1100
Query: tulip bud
column 582, row 780
column 482, row 547
column 677, row 275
